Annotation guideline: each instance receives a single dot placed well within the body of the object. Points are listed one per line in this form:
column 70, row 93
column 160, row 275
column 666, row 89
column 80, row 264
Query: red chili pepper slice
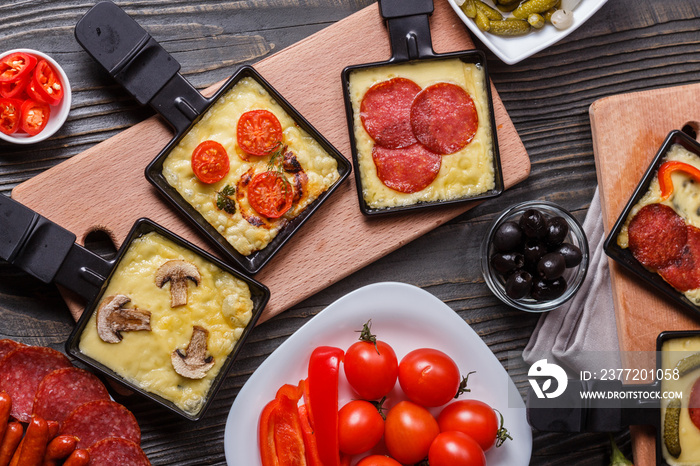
column 16, row 66
column 10, row 115
column 35, row 116
column 324, row 366
column 14, row 89
column 664, row 176
column 32, row 93
column 47, row 83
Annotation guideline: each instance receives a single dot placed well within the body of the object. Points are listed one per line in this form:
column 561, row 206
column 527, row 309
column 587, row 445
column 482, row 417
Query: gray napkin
column 583, row 331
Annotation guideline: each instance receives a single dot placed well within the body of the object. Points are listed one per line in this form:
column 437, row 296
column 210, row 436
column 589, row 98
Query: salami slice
column 406, row 170
column 657, row 235
column 114, row 450
column 385, row 112
column 444, row 118
column 694, row 404
column 683, row 273
column 101, row 419
column 8, row 345
column 21, row 372
column 63, row 390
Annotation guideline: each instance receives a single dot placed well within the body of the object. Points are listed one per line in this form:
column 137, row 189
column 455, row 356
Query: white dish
column 514, row 49
column 407, row 318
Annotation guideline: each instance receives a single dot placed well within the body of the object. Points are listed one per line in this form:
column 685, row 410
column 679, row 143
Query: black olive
column 507, row 237
column 557, row 229
column 533, row 224
column 572, row 254
column 518, row 284
column 544, row 290
column 551, row 266
column 506, row 262
column 533, row 251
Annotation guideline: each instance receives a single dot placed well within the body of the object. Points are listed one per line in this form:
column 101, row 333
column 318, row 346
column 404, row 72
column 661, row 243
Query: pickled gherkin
column 469, row 8
column 533, row 6
column 536, row 20
column 671, row 428
column 688, row 364
column 510, row 27
column 491, row 13
column 482, row 21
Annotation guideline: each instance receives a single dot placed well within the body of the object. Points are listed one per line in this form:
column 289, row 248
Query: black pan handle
column 570, row 412
column 48, row 251
column 139, row 64
column 409, row 28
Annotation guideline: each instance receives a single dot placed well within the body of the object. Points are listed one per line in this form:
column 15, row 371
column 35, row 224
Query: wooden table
column 627, row 46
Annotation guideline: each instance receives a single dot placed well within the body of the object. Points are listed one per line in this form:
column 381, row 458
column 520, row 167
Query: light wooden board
column 104, row 187
column 627, row 131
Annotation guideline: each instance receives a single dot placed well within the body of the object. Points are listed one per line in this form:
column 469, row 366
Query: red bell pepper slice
column 310, row 441
column 324, row 367
column 16, row 66
column 664, row 176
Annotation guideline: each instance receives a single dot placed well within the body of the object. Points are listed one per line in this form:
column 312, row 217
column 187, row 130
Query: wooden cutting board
column 627, row 131
column 104, row 187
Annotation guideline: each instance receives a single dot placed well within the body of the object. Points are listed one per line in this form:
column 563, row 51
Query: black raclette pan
column 135, row 60
column 407, row 22
column 49, row 253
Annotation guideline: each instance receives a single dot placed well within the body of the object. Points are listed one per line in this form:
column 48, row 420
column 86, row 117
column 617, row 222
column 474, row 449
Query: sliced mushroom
column 112, row 318
column 194, row 364
column 177, row 272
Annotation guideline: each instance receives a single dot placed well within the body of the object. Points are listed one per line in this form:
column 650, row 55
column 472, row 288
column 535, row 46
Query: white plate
column 407, row 318
column 514, row 49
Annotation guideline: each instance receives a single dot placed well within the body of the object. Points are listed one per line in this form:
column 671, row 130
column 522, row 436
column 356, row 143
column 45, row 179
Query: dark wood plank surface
column 627, row 46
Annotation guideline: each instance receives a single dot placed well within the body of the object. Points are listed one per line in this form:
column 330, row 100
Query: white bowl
column 514, row 49
column 59, row 112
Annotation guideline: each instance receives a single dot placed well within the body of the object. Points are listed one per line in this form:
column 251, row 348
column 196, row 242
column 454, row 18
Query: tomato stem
column 367, row 335
column 463, row 385
column 380, row 407
column 502, row 435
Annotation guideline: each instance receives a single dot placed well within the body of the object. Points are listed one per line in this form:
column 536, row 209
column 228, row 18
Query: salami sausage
column 101, row 419
column 694, row 404
column 63, row 390
column 385, row 112
column 683, row 273
column 112, row 451
column 657, row 236
column 6, row 346
column 444, row 118
column 407, row 170
column 21, row 372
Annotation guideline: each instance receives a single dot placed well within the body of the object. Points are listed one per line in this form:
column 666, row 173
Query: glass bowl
column 574, row 276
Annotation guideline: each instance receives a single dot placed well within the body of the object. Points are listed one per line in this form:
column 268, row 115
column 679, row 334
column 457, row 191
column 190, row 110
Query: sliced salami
column 97, row 420
column 63, row 390
column 21, row 372
column 407, row 170
column 385, row 112
column 111, row 451
column 683, row 273
column 657, row 236
column 694, row 404
column 8, row 345
column 444, row 118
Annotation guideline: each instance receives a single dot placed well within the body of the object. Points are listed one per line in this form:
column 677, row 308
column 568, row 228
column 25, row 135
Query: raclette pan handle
column 139, row 64
column 409, row 28
column 48, row 251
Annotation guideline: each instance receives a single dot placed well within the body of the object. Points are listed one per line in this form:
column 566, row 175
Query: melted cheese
column 219, row 124
column 672, row 352
column 685, row 200
column 221, row 303
column 465, row 173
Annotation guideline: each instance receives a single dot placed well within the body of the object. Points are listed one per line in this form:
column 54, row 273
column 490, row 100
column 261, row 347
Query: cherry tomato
column 35, row 116
column 378, row 460
column 360, row 427
column 10, row 115
column 259, row 132
column 429, row 377
column 371, row 370
column 472, row 417
column 16, row 66
column 47, row 83
column 409, row 430
column 210, row 162
column 455, row 449
column 270, row 194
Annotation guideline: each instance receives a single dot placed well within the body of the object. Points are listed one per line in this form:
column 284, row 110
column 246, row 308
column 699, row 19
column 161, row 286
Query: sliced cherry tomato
column 47, row 83
column 429, row 377
column 259, row 132
column 455, row 449
column 371, row 369
column 35, row 116
column 378, row 460
column 472, row 417
column 10, row 115
column 408, row 432
column 360, row 427
column 14, row 89
column 270, row 194
column 210, row 162
column 16, row 66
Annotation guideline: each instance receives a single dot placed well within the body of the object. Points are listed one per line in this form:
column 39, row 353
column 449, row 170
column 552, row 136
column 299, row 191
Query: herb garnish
column 224, row 201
